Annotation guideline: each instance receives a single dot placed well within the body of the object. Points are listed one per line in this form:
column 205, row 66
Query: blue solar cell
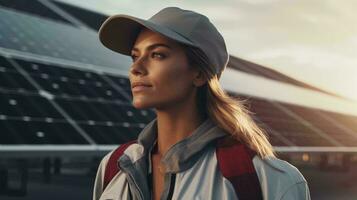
column 36, row 132
column 5, row 64
column 25, row 105
column 13, row 80
column 104, row 134
column 45, row 37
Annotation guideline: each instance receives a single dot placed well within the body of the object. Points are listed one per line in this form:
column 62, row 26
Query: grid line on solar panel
column 111, row 134
column 29, row 118
column 43, row 37
column 276, row 138
column 98, row 111
column 309, row 127
column 72, row 82
column 348, row 121
column 38, row 132
column 5, row 64
column 56, row 71
column 85, row 99
column 312, row 135
column 124, row 89
column 58, row 87
column 84, row 123
column 118, row 114
column 283, row 123
column 17, row 91
column 12, row 104
column 14, row 80
column 335, row 130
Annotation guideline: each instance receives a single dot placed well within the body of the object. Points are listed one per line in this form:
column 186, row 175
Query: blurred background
column 65, row 100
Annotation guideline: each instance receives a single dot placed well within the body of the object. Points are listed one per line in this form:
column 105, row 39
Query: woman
column 203, row 143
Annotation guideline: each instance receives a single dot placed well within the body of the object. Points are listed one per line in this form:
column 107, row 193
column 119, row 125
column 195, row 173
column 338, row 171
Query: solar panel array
column 49, row 104
column 44, row 102
column 294, row 125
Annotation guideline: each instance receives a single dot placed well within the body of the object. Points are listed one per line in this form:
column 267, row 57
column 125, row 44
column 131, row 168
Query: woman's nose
column 138, row 66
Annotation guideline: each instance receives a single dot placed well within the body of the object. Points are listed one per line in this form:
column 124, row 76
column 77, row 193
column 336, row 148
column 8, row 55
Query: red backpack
column 239, row 171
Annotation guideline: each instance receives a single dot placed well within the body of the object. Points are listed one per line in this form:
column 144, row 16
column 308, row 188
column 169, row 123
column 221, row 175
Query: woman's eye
column 133, row 57
column 158, row 55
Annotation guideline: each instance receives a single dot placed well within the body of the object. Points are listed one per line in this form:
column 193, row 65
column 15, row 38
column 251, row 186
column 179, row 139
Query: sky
column 314, row 41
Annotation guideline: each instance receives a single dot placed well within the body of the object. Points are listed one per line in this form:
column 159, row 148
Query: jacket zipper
column 172, row 186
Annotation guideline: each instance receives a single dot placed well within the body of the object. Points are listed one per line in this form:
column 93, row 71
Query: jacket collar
column 186, row 152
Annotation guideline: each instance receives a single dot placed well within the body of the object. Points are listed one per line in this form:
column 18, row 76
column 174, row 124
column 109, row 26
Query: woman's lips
column 140, row 88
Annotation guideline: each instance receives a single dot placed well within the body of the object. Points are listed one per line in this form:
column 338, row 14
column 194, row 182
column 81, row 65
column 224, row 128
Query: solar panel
column 30, row 131
column 48, row 38
column 333, row 130
column 277, row 120
column 33, row 7
column 111, row 134
column 90, row 18
column 347, row 121
column 15, row 81
column 5, row 65
column 82, row 96
column 19, row 105
column 293, row 125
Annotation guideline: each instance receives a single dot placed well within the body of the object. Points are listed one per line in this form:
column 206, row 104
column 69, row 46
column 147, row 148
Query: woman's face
column 161, row 63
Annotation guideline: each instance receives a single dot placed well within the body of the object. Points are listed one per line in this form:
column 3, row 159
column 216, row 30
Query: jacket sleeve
column 99, row 179
column 298, row 191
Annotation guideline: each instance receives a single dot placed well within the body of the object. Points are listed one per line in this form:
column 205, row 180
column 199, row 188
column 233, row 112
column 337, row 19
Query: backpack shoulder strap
column 235, row 163
column 112, row 167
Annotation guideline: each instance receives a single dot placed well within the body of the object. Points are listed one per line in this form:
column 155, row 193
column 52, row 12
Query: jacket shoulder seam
column 291, row 187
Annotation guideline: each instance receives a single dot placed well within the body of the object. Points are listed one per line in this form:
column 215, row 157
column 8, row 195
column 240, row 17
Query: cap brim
column 119, row 32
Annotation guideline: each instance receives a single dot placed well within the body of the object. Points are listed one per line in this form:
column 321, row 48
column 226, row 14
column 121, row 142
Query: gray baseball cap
column 119, row 33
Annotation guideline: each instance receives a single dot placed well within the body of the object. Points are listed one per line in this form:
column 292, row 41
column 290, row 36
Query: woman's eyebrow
column 153, row 46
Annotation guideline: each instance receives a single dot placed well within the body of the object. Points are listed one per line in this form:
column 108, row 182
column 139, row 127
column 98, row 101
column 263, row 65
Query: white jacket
column 193, row 163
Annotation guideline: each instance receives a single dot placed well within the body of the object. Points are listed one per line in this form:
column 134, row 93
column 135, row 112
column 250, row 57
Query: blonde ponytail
column 229, row 113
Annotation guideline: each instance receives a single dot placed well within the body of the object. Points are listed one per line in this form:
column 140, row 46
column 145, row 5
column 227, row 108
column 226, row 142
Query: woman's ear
column 199, row 78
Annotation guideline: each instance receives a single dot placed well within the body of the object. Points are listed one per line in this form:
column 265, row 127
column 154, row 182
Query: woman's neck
column 173, row 129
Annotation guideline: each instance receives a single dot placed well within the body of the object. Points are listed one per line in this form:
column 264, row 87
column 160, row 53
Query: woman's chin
column 141, row 104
